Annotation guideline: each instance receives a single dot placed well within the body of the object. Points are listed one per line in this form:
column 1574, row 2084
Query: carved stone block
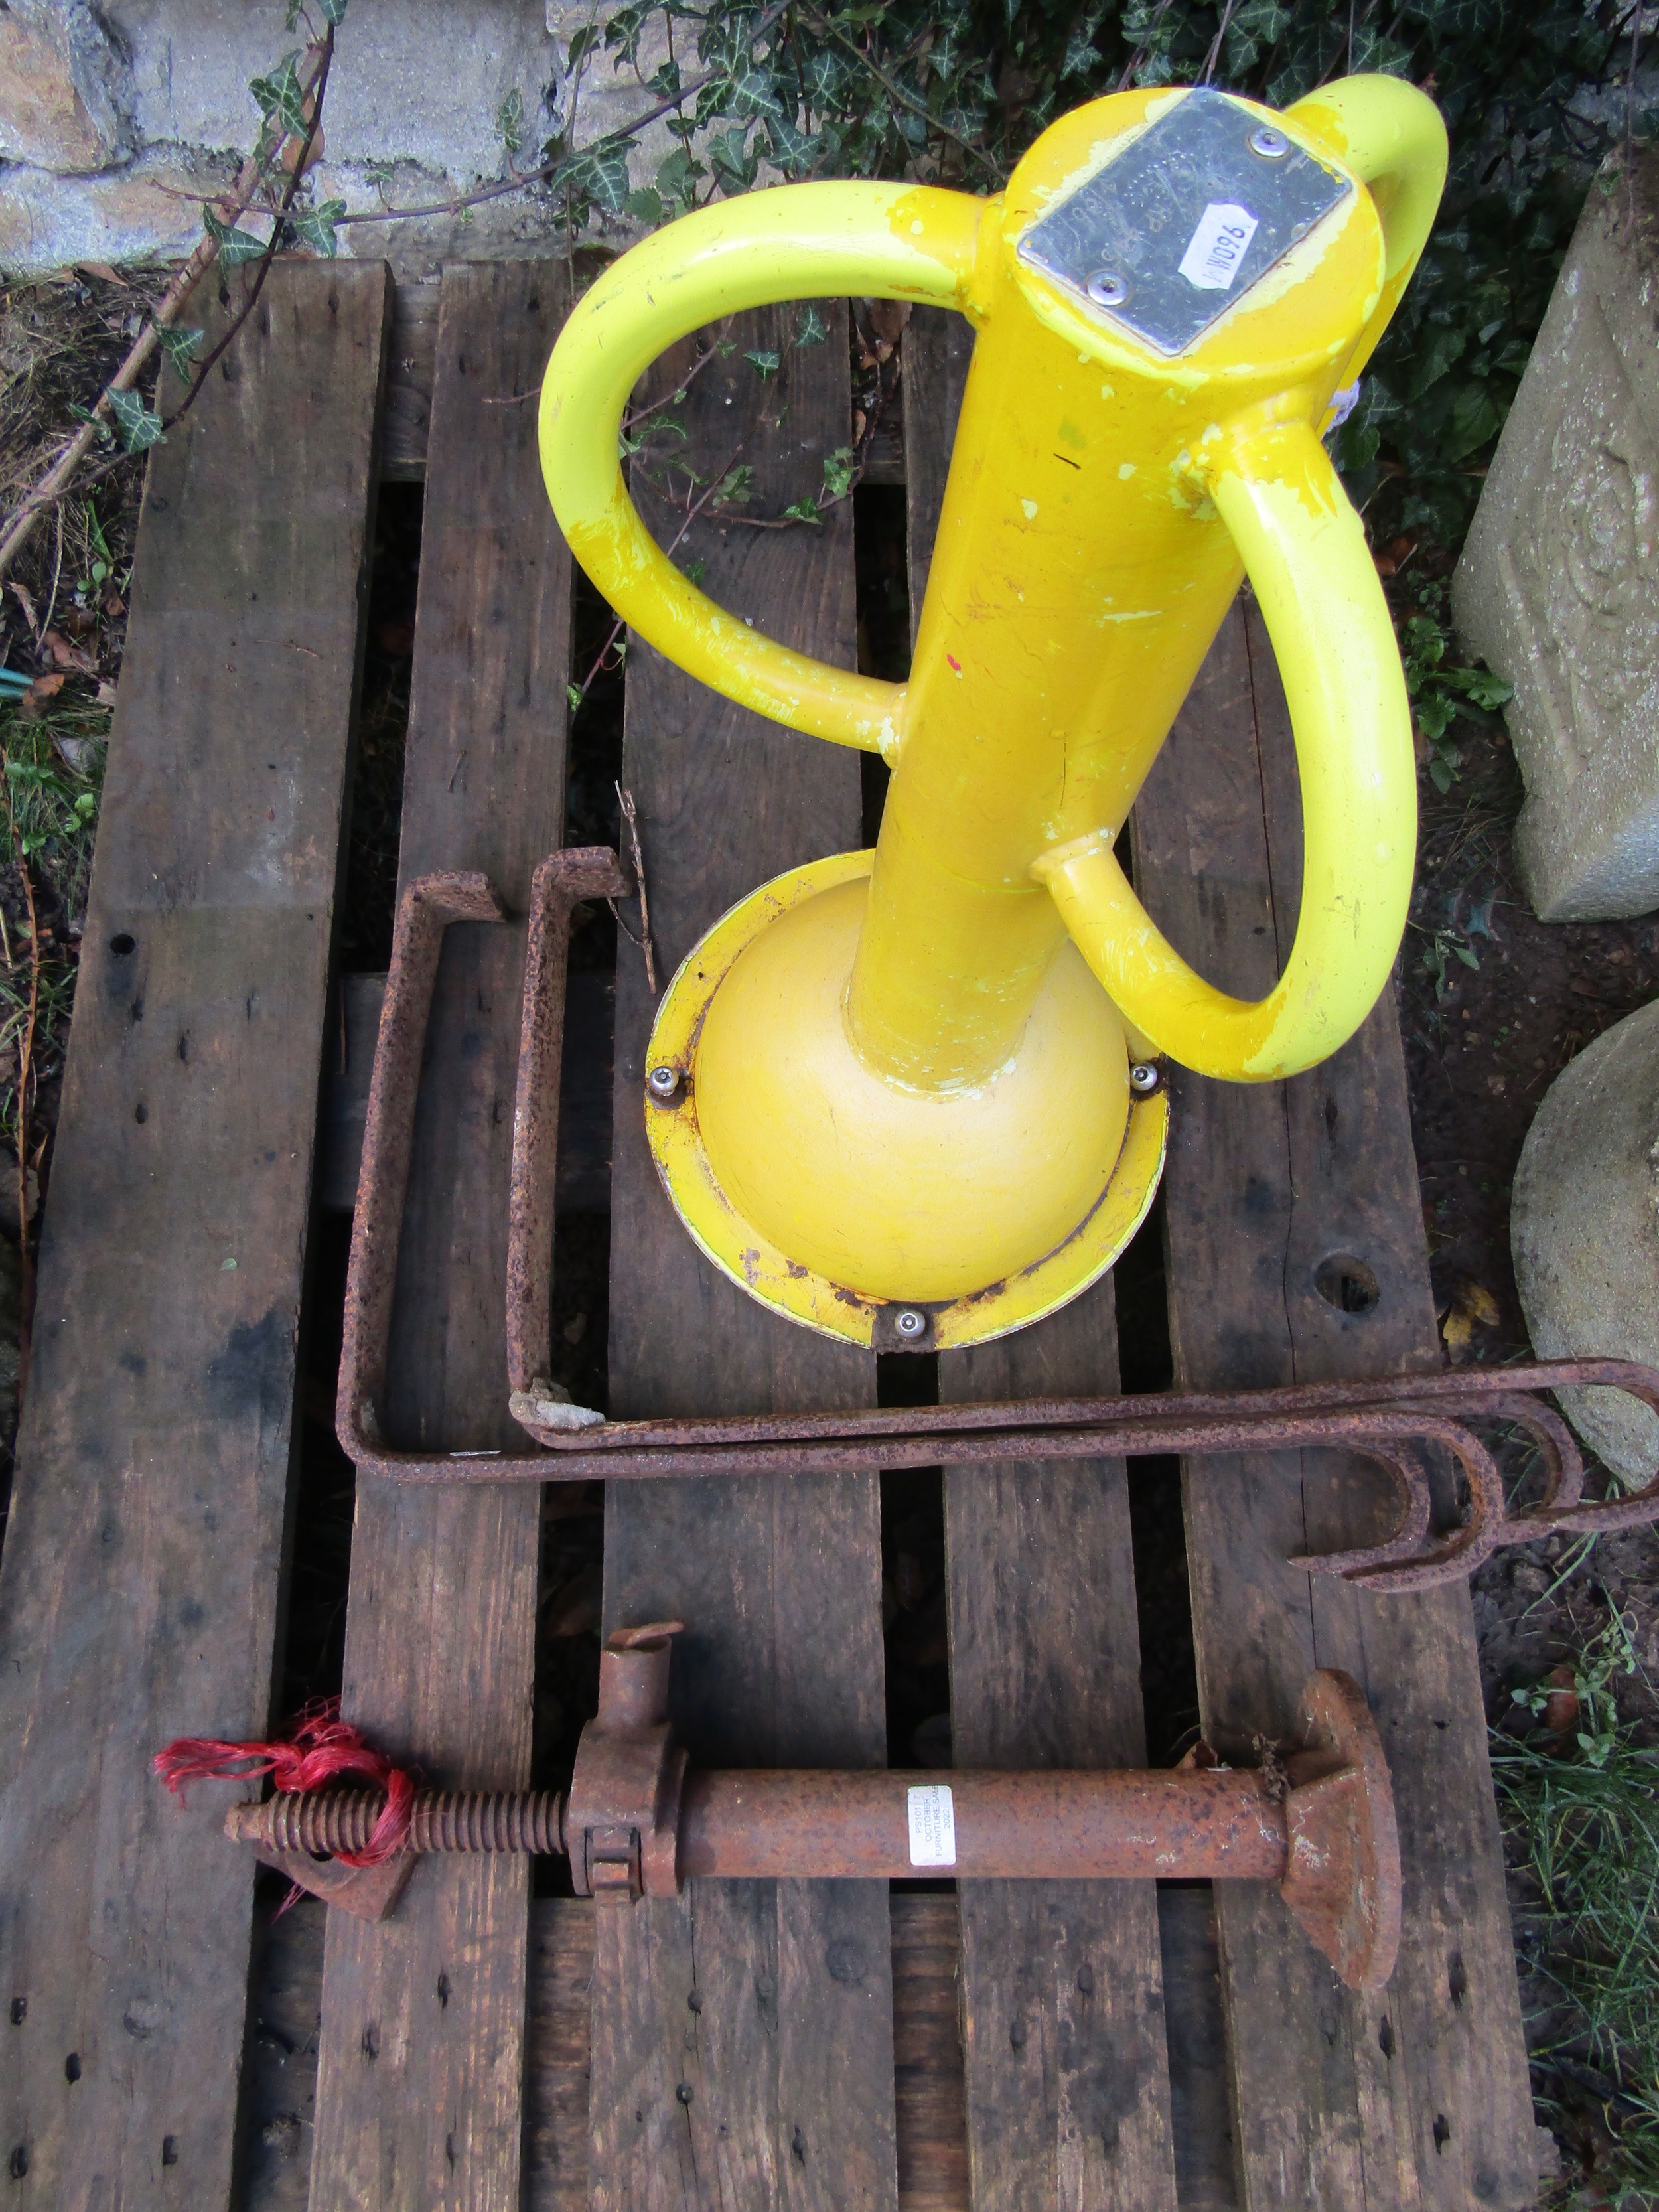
column 1558, row 585
column 1584, row 1230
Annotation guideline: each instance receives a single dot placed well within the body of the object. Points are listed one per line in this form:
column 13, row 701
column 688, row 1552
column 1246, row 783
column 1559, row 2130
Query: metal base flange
column 756, row 1264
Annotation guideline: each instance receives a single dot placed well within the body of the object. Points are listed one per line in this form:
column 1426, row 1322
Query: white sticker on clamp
column 933, row 1825
column 1217, row 247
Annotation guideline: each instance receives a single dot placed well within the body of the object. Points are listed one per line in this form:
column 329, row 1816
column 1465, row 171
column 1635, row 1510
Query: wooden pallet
column 1060, row 2045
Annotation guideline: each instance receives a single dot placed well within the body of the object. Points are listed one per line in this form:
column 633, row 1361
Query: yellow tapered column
column 902, row 1081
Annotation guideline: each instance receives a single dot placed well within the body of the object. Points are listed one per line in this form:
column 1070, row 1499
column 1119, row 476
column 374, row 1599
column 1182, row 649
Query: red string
column 317, row 1748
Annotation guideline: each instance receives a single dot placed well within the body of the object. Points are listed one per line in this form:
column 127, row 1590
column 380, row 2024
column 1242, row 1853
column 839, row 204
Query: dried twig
column 230, row 206
column 625, row 800
column 25, row 1076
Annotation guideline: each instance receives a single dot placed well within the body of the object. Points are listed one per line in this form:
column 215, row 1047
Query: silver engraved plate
column 1179, row 226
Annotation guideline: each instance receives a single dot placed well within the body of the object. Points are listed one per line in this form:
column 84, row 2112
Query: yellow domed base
column 848, row 1202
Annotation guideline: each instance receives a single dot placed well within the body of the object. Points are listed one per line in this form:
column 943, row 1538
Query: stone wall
column 111, row 117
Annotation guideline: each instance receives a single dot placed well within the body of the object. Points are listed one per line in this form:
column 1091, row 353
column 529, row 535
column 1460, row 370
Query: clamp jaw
column 622, row 1817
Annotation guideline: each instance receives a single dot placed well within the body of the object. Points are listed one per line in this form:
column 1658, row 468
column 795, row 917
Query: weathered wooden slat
column 1416, row 2097
column 933, row 2152
column 143, row 1560
column 421, row 2060
column 737, row 2030
column 1068, row 2095
column 1068, row 2090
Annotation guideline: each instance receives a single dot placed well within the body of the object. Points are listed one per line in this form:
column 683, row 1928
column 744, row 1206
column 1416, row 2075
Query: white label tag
column 1218, row 246
column 932, row 1826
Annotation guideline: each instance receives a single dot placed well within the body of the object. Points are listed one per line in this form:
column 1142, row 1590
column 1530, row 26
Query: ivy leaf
column 600, row 172
column 755, row 94
column 331, row 11
column 1474, row 418
column 646, row 205
column 1442, row 347
column 825, row 77
column 811, row 329
column 140, row 426
column 676, row 178
column 804, row 510
column 573, row 693
column 838, row 471
column 793, row 149
column 180, row 345
column 1081, row 52
column 582, row 43
column 279, row 98
column 235, row 246
column 314, row 227
column 735, row 164
column 100, row 429
column 764, row 365
column 733, row 488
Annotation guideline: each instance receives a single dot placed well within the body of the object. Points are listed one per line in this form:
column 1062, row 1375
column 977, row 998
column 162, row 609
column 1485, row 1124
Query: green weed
column 1582, row 1809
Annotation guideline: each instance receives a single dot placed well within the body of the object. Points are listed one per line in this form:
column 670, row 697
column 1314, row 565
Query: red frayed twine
column 317, row 1748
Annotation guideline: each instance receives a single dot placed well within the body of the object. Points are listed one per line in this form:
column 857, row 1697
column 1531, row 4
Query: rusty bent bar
column 1317, row 1818
column 1391, row 1419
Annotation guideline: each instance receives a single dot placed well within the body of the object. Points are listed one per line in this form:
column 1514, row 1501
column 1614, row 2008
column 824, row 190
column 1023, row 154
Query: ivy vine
column 1535, row 93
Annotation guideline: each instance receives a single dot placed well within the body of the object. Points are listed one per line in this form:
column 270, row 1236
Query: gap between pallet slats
column 422, row 2032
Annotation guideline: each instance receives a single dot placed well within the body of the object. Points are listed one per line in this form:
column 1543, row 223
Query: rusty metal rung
column 1390, row 1420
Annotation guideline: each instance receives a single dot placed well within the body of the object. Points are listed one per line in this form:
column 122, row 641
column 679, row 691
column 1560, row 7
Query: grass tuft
column 1580, row 1809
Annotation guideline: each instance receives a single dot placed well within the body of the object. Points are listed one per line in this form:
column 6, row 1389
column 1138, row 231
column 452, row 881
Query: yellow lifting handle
column 1304, row 550
column 1301, row 543
column 799, row 242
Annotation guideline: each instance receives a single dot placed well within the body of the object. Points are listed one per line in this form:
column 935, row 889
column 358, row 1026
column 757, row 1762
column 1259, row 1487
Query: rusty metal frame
column 1390, row 1420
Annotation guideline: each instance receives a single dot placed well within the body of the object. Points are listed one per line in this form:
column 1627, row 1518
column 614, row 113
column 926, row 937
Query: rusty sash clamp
column 1390, row 1420
column 1317, row 1818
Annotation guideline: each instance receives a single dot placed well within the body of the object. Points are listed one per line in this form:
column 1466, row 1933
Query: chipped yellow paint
column 1102, row 504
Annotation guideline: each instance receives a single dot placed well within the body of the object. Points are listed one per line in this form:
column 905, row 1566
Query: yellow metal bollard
column 890, row 1094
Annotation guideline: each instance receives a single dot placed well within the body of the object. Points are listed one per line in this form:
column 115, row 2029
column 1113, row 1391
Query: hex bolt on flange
column 1318, row 1819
